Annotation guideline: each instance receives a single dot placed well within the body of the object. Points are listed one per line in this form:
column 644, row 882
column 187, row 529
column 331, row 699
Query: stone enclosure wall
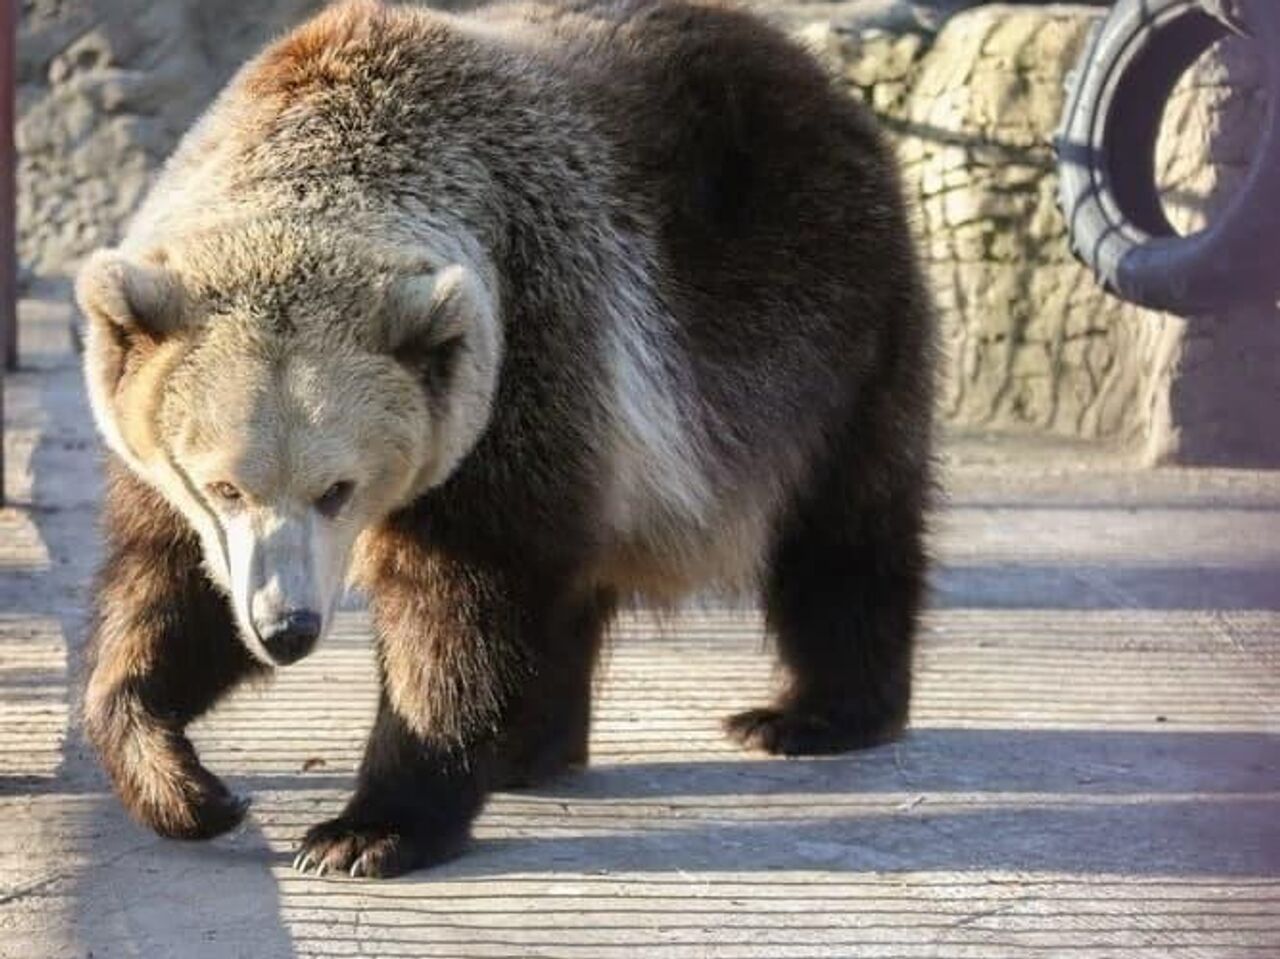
column 107, row 86
column 1032, row 342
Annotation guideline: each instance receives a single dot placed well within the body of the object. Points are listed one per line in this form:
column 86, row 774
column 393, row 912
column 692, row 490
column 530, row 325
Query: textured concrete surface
column 1092, row 769
column 105, row 88
column 1216, row 405
column 1032, row 341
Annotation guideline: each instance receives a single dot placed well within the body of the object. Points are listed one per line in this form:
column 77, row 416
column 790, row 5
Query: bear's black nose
column 293, row 636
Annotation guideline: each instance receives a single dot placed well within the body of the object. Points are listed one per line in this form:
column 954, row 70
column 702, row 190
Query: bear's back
column 784, row 246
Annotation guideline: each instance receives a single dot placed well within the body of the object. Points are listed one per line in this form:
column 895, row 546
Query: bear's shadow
column 1124, row 803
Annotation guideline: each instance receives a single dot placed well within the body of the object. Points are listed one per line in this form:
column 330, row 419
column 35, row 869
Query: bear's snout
column 293, row 636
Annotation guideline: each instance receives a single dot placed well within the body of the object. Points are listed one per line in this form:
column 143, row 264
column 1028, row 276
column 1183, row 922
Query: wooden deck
column 1092, row 769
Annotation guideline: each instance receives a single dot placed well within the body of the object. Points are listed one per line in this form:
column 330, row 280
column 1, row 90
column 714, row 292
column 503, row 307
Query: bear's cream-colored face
column 290, row 458
column 281, row 443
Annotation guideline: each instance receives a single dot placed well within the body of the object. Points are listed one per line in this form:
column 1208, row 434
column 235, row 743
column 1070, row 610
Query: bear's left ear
column 430, row 309
column 443, row 326
column 431, row 319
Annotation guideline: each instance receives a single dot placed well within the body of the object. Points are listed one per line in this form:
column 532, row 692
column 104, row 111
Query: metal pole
column 8, row 228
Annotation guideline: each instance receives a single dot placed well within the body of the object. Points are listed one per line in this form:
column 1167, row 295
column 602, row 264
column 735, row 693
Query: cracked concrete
column 1092, row 767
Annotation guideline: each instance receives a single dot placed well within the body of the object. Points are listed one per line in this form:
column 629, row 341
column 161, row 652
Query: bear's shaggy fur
column 508, row 317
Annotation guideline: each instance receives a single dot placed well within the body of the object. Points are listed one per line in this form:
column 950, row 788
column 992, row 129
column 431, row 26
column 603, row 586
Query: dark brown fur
column 786, row 259
column 163, row 650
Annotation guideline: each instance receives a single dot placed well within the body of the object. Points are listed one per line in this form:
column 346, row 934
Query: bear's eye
column 334, row 498
column 225, row 492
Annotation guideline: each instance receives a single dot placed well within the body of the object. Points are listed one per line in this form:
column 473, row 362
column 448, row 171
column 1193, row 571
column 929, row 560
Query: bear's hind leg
column 843, row 589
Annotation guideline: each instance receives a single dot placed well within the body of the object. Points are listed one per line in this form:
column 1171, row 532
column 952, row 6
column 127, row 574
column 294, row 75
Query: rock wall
column 107, row 86
column 1032, row 342
column 1218, row 398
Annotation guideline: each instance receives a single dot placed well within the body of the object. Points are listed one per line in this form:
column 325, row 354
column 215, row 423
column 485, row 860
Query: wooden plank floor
column 1092, row 769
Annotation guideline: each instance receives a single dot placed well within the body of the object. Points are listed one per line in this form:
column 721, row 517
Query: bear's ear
column 431, row 318
column 443, row 326
column 430, row 309
column 126, row 298
column 131, row 309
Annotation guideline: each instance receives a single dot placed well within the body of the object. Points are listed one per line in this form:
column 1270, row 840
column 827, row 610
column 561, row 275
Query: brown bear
column 507, row 318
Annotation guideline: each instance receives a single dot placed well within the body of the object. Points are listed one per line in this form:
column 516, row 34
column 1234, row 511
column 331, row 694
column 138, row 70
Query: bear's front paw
column 164, row 786
column 372, row 850
column 210, row 810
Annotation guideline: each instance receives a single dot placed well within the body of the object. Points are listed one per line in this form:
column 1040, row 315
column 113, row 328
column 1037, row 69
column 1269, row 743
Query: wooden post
column 8, row 212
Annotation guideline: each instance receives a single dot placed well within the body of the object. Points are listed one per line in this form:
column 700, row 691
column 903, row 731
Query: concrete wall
column 1222, row 395
column 107, row 86
column 1032, row 342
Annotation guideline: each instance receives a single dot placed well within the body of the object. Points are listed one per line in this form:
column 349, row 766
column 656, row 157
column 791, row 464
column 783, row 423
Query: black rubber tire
column 1106, row 164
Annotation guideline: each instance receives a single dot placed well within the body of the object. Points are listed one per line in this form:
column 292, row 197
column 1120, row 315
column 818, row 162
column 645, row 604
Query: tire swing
column 1106, row 161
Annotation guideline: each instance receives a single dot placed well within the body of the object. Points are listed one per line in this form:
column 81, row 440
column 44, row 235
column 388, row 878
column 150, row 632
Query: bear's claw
column 368, row 850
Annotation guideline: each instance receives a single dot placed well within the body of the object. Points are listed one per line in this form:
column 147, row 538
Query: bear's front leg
column 464, row 645
column 162, row 650
column 413, row 806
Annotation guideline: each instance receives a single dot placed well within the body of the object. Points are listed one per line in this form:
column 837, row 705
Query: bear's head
column 285, row 398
